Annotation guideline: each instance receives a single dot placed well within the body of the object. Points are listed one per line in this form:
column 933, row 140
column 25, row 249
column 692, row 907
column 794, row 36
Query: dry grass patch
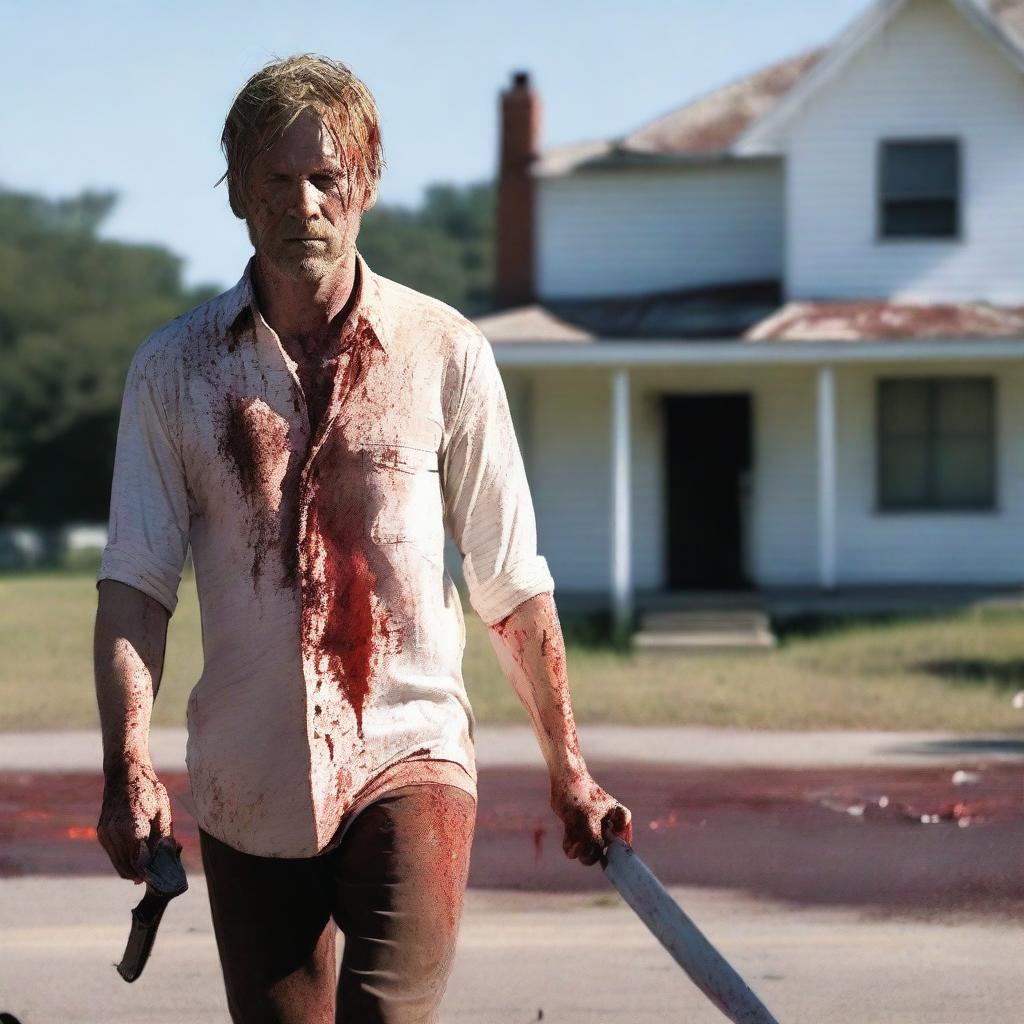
column 955, row 672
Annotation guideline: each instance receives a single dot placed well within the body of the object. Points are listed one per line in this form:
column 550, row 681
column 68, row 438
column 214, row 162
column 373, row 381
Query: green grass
column 954, row 672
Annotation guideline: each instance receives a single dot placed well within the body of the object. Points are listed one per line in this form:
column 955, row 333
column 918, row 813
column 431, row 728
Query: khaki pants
column 394, row 886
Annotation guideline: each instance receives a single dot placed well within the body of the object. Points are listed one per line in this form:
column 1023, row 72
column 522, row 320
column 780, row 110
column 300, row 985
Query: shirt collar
column 368, row 308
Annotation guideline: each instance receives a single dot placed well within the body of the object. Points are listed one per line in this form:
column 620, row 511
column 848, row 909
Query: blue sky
column 132, row 96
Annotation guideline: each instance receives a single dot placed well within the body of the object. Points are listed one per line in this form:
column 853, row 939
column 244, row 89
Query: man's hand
column 136, row 814
column 589, row 815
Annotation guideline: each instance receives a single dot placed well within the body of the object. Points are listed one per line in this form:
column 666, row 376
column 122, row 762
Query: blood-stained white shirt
column 332, row 634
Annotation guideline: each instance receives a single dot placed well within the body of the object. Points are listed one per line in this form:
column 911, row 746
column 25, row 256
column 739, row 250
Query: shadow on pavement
column 965, row 747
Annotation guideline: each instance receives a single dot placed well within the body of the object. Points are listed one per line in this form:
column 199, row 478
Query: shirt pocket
column 405, row 496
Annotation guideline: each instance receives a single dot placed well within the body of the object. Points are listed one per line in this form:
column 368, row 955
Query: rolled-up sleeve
column 149, row 513
column 488, row 508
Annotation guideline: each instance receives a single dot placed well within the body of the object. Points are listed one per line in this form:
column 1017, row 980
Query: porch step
column 696, row 630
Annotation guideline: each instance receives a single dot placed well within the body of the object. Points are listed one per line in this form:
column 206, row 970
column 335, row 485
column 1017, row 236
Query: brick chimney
column 520, row 135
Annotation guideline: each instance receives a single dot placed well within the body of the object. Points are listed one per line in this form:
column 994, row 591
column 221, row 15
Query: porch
column 593, row 428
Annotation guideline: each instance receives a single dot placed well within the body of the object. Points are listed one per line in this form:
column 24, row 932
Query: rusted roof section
column 877, row 320
column 707, row 127
column 742, row 313
column 713, row 122
column 701, row 129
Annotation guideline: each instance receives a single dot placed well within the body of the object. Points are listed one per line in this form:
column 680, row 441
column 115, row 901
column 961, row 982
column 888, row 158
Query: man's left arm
column 489, row 513
column 531, row 651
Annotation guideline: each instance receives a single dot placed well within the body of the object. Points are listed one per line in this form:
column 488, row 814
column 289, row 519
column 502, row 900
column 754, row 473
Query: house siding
column 569, row 476
column 931, row 547
column 929, row 73
column 783, row 511
column 570, row 472
column 571, row 479
column 785, row 478
column 634, row 232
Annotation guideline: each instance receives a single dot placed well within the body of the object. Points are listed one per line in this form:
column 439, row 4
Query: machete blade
column 687, row 944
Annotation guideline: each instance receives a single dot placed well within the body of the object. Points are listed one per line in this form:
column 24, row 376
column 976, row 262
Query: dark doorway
column 707, row 463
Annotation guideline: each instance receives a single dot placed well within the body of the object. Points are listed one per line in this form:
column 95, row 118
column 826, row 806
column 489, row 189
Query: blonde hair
column 277, row 94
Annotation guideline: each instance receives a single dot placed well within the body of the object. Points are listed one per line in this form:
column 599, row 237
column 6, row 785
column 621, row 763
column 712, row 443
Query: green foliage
column 444, row 249
column 74, row 307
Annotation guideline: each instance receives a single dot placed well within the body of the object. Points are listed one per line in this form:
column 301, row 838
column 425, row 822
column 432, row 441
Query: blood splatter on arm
column 129, row 643
column 531, row 651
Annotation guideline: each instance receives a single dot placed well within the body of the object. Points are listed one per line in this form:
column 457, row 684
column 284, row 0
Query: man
column 312, row 433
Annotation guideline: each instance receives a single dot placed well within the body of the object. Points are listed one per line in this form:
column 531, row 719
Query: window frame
column 957, row 236
column 931, row 507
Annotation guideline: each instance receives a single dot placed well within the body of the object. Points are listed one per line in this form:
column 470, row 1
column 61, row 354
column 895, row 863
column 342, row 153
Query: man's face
column 303, row 208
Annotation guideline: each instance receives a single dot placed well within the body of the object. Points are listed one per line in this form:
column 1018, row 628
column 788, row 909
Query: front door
column 708, row 455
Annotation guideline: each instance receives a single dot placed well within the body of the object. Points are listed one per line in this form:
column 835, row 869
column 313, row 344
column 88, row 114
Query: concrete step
column 705, row 630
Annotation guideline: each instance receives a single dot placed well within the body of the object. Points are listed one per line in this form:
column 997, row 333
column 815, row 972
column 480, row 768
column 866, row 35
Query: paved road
column 80, row 750
column 755, row 827
column 580, row 959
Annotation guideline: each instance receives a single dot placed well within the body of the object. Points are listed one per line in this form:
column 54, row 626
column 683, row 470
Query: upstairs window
column 936, row 443
column 919, row 189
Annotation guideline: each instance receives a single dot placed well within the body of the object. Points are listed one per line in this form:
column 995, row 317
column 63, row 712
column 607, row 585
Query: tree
column 444, row 248
column 74, row 307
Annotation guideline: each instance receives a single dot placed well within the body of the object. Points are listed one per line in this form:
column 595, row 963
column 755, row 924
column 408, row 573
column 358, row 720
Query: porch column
column 621, row 529
column 826, row 404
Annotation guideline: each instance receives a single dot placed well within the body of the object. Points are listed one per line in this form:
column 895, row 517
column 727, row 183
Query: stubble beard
column 310, row 268
column 299, row 264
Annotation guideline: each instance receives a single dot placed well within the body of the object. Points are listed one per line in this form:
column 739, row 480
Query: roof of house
column 718, row 126
column 714, row 126
column 713, row 122
column 1002, row 21
column 701, row 129
column 1011, row 15
column 750, row 313
column 723, row 311
column 529, row 323
column 876, row 320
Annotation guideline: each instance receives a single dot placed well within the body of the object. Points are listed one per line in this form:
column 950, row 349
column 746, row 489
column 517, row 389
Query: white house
column 776, row 337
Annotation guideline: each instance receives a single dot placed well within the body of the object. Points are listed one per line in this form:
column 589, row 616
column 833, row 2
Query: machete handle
column 164, row 872
column 610, row 837
column 165, row 879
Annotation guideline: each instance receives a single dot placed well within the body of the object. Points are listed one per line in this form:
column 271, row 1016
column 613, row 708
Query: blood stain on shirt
column 344, row 625
column 243, row 324
column 254, row 440
column 340, row 621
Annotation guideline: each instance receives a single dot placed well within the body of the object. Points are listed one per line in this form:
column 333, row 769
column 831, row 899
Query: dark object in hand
column 165, row 879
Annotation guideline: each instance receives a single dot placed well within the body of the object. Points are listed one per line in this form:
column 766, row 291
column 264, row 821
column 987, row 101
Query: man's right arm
column 129, row 641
